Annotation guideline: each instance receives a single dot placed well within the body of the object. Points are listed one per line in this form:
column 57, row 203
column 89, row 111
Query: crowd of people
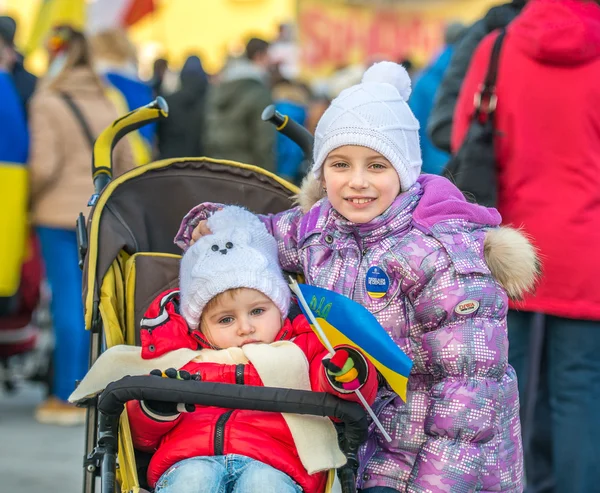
column 494, row 305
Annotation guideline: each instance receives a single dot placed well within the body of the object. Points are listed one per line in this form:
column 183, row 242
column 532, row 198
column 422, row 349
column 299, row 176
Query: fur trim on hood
column 510, row 256
column 311, row 191
column 513, row 261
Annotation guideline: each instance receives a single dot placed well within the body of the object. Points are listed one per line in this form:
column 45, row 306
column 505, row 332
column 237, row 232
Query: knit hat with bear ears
column 240, row 253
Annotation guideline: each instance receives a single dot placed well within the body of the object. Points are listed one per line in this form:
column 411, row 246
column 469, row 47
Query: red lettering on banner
column 384, row 34
column 332, row 39
column 314, row 28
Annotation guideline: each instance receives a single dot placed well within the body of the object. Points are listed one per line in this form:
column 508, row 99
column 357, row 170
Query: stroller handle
column 108, row 139
column 291, row 129
column 112, row 401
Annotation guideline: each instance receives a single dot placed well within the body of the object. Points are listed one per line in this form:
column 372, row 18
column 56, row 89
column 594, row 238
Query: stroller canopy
column 141, row 210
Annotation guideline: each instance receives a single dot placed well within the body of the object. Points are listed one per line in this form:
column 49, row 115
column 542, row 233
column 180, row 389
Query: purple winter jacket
column 459, row 430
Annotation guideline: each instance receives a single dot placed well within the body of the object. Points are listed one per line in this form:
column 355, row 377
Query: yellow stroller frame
column 128, row 258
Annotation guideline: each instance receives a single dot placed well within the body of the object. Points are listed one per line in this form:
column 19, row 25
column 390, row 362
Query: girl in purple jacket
column 437, row 273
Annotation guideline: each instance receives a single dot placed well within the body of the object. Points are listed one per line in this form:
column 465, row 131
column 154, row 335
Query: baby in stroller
column 234, row 304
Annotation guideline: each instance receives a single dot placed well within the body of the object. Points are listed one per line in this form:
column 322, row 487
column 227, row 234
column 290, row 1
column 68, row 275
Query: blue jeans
column 72, row 341
column 564, row 434
column 224, row 474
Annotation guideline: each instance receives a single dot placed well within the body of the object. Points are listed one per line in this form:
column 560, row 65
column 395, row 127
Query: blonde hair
column 113, row 46
column 78, row 54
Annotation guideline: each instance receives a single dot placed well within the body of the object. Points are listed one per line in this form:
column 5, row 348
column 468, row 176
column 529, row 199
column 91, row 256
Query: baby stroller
column 128, row 258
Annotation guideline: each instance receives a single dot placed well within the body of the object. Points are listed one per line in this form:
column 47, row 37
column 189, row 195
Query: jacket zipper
column 359, row 264
column 200, row 340
column 239, row 374
column 220, row 431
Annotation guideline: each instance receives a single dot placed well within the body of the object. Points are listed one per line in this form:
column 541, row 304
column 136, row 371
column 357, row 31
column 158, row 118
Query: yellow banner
column 53, row 13
column 335, row 34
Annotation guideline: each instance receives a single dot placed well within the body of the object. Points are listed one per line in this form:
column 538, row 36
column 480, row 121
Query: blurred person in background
column 181, row 134
column 317, row 105
column 439, row 125
column 409, row 65
column 14, row 148
column 323, row 91
column 20, row 259
column 547, row 146
column 234, row 129
column 344, row 77
column 159, row 68
column 291, row 99
column 12, row 60
column 67, row 112
column 284, row 52
column 423, row 94
column 115, row 59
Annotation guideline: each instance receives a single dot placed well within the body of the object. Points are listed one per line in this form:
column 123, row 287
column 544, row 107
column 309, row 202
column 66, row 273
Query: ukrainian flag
column 346, row 322
column 14, row 193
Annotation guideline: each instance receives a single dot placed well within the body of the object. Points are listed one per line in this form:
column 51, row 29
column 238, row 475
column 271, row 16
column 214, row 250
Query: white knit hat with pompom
column 374, row 114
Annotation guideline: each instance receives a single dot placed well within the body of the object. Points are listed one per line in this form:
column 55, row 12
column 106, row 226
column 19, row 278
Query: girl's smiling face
column 361, row 184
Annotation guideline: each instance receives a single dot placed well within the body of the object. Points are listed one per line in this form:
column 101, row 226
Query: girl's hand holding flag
column 339, row 321
column 344, row 371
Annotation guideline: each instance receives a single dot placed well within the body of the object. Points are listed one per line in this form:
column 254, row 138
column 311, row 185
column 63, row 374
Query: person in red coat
column 547, row 145
column 234, row 305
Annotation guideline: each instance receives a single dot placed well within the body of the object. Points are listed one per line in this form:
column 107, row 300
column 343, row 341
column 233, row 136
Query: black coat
column 439, row 126
column 25, row 81
column 181, row 134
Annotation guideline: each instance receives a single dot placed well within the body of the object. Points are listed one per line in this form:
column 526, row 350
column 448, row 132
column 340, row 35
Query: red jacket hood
column 559, row 32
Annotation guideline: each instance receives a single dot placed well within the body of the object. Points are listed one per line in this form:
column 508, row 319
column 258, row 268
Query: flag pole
column 296, row 290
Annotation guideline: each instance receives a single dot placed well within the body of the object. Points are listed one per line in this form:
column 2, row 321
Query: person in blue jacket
column 14, row 149
column 13, row 61
column 422, row 98
column 116, row 61
column 291, row 99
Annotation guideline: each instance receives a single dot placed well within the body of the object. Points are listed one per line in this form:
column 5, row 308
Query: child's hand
column 175, row 374
column 342, row 369
column 199, row 231
column 169, row 409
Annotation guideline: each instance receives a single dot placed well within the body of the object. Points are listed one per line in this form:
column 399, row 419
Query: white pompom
column 391, row 73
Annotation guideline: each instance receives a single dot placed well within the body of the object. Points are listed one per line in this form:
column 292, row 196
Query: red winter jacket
column 259, row 435
column 548, row 145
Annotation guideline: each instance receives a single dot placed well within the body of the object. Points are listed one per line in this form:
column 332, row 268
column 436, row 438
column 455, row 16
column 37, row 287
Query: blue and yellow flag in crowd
column 14, row 193
column 346, row 322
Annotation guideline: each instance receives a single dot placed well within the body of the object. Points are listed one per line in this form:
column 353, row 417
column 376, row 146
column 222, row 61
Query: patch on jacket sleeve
column 467, row 307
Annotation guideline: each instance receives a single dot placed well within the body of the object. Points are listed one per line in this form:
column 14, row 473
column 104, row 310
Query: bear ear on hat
column 233, row 216
column 390, row 73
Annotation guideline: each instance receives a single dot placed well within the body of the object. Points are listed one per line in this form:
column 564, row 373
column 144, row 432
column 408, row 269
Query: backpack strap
column 485, row 99
column 79, row 117
column 86, row 130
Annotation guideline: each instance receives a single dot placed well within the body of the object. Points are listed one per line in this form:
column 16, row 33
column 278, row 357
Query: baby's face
column 243, row 317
